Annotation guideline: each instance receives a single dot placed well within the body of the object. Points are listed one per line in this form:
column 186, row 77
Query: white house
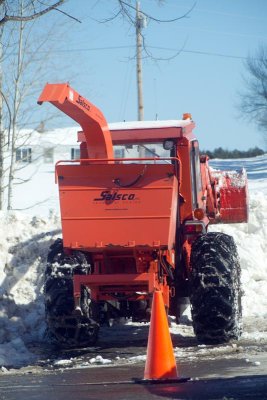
column 35, row 163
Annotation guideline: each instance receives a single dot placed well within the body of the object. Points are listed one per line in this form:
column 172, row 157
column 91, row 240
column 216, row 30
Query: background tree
column 253, row 100
column 17, row 57
column 221, row 153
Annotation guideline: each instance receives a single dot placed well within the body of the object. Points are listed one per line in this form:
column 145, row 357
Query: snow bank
column 251, row 241
column 24, row 243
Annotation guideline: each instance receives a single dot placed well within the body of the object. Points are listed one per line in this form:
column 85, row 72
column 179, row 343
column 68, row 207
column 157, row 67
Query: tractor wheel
column 215, row 289
column 67, row 326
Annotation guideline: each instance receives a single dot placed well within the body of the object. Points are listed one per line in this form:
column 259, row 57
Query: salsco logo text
column 106, row 195
column 83, row 103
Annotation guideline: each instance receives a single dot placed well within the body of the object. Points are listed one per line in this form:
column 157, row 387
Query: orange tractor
column 132, row 225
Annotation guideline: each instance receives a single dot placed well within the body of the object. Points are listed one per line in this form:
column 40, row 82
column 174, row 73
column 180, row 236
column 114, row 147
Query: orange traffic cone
column 160, row 361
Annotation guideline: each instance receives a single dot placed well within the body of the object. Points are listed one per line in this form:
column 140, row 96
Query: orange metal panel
column 103, row 286
column 97, row 213
column 110, row 280
column 55, row 92
column 91, row 119
column 185, row 189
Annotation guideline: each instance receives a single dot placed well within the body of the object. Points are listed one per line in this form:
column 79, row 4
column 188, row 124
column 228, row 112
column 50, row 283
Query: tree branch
column 157, row 19
column 7, row 18
column 68, row 15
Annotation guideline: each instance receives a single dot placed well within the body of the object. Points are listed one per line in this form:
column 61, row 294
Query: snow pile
column 235, row 179
column 24, row 243
column 251, row 241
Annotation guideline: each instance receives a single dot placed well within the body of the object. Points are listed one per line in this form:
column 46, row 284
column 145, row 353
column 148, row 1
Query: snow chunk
column 63, row 363
column 99, row 360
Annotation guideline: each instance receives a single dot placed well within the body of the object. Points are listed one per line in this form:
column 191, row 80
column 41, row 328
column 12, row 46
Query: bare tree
column 253, row 99
column 16, row 21
column 15, row 108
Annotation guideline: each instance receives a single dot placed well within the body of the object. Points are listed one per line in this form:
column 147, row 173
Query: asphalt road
column 115, row 383
column 232, row 372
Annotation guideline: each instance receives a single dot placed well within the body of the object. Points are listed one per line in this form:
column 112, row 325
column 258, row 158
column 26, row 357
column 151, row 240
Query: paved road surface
column 232, row 372
column 116, row 383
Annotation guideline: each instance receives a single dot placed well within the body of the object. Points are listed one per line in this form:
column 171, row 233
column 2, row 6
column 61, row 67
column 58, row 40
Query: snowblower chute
column 90, row 118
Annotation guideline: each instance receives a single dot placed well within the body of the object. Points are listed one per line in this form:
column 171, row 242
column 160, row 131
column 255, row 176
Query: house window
column 75, row 153
column 24, row 155
column 48, row 155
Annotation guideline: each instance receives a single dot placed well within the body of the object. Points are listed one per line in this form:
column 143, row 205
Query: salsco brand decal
column 83, row 103
column 107, row 195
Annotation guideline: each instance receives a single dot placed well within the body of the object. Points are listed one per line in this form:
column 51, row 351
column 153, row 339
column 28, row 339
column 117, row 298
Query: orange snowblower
column 133, row 225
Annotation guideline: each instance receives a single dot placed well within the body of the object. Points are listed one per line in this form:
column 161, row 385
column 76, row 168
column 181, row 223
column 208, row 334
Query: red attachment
column 233, row 196
column 90, row 118
column 225, row 194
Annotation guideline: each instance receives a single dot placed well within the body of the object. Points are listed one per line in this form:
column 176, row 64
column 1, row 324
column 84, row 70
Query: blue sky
column 204, row 79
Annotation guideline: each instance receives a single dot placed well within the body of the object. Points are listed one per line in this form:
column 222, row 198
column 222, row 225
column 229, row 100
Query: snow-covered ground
column 24, row 242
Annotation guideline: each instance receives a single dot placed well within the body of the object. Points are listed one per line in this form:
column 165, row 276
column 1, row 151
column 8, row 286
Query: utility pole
column 140, row 23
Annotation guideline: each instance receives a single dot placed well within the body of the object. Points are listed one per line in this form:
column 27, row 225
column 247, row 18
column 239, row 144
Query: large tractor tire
column 215, row 289
column 68, row 326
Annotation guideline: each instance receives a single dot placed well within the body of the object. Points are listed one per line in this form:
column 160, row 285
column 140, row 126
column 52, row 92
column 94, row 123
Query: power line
column 204, row 53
